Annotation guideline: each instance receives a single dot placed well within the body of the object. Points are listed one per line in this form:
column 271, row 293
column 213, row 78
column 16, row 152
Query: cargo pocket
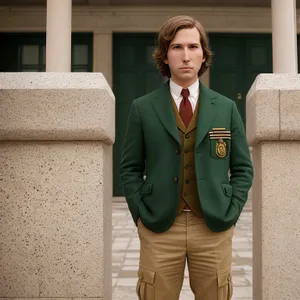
column 225, row 289
column 145, row 285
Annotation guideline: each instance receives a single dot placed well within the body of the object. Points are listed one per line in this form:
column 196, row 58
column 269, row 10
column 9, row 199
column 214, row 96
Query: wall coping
column 56, row 106
column 273, row 108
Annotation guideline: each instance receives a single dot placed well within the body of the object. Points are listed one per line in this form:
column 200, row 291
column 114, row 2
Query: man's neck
column 184, row 85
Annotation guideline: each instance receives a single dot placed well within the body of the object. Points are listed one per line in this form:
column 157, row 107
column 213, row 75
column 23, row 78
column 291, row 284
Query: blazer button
column 186, row 151
column 175, row 179
column 186, row 166
column 187, row 181
column 177, row 151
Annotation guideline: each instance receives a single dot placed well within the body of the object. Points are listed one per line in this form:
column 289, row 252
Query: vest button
column 175, row 179
column 187, row 136
column 177, row 151
column 187, row 181
column 186, row 166
column 186, row 151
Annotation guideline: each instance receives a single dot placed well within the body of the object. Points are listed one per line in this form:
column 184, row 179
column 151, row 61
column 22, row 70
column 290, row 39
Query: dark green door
column 238, row 59
column 134, row 74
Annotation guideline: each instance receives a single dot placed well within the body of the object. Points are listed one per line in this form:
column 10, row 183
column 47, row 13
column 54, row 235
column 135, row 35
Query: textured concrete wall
column 273, row 112
column 56, row 135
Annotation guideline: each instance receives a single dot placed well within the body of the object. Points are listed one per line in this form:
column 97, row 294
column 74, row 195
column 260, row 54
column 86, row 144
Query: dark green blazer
column 152, row 142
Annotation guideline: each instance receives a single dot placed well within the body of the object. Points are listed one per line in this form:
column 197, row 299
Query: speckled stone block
column 273, row 131
column 55, row 186
column 262, row 116
column 56, row 106
column 276, row 222
column 290, row 114
column 273, row 109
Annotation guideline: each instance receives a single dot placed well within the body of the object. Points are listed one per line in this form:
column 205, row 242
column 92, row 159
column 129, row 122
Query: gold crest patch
column 221, row 149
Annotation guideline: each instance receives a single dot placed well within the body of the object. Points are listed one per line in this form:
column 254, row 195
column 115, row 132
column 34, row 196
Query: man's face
column 185, row 57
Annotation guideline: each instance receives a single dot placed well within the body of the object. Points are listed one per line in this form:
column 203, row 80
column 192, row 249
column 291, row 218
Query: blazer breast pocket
column 220, row 148
column 220, row 142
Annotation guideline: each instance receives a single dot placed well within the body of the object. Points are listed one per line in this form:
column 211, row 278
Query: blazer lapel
column 163, row 108
column 206, row 114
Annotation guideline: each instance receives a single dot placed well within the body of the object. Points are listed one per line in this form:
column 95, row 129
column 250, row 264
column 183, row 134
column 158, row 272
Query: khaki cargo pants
column 163, row 257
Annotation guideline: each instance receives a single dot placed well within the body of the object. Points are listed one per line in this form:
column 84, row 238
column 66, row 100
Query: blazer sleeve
column 241, row 169
column 133, row 162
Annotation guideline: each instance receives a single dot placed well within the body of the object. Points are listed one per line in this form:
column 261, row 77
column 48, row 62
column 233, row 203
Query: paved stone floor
column 126, row 256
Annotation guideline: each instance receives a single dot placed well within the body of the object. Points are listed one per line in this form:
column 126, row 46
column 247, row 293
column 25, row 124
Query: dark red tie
column 185, row 108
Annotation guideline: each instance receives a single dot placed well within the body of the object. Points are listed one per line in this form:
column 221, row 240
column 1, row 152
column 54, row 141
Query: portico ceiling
column 248, row 3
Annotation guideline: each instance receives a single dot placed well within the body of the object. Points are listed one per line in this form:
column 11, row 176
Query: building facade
column 117, row 38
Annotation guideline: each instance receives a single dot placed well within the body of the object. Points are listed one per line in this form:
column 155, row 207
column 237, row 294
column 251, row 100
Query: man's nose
column 186, row 55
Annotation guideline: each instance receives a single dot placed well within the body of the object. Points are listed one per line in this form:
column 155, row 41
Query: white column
column 284, row 36
column 103, row 54
column 58, row 35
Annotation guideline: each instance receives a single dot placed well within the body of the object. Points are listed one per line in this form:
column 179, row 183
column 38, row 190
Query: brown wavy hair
column 167, row 34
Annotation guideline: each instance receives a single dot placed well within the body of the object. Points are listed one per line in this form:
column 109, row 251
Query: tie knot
column 185, row 93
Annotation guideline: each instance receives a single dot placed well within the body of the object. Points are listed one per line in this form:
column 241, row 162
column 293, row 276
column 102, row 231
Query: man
column 187, row 137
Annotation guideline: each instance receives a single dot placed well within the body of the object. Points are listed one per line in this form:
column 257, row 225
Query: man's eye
column 194, row 46
column 176, row 47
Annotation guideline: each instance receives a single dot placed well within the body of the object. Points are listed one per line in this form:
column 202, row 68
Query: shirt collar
column 176, row 89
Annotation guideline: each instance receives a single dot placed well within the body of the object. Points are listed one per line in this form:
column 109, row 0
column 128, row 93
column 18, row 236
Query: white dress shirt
column 176, row 89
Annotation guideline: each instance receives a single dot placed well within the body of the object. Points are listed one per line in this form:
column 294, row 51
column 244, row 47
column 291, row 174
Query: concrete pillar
column 58, row 35
column 284, row 36
column 103, row 54
column 273, row 131
column 56, row 136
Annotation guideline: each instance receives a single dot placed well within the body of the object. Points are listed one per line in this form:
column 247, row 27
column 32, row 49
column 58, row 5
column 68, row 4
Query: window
column 80, row 58
column 82, row 52
column 26, row 52
column 32, row 58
